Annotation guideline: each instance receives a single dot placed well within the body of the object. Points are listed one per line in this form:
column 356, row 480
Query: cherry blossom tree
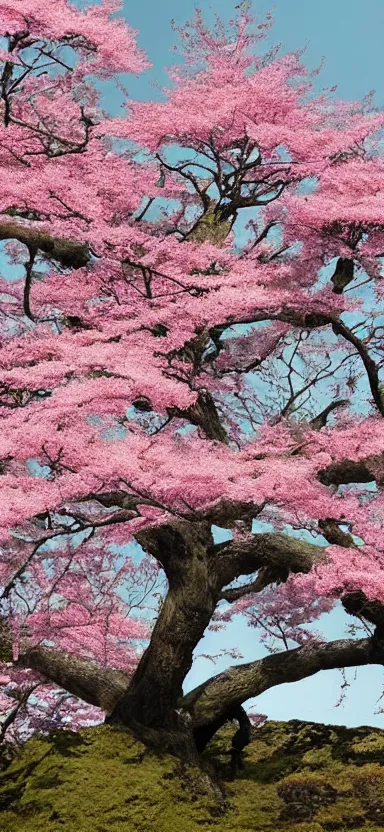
column 191, row 333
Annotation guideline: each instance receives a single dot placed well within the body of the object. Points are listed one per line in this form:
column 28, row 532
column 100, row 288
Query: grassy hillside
column 298, row 777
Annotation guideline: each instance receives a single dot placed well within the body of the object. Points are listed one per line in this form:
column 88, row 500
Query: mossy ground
column 298, row 777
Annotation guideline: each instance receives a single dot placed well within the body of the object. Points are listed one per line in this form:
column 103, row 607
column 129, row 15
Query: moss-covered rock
column 298, row 777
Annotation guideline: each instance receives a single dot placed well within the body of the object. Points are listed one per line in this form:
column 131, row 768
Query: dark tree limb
column 156, row 685
column 371, row 368
column 89, row 681
column 357, row 603
column 96, row 685
column 330, row 529
column 265, row 578
column 218, row 699
column 28, row 283
column 343, row 275
column 320, row 420
column 345, row 472
column 203, row 413
column 276, row 556
column 277, row 552
column 213, row 699
column 240, row 739
column 12, row 715
column 203, row 734
column 69, row 253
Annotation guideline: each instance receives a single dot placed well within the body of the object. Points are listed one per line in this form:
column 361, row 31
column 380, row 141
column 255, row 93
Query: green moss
column 369, row 748
column 369, row 787
column 303, row 794
column 298, row 777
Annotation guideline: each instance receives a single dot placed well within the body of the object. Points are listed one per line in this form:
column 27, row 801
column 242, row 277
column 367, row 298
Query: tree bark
column 70, row 253
column 345, row 472
column 151, row 702
column 99, row 686
column 205, row 709
column 204, row 414
column 280, row 553
column 210, row 703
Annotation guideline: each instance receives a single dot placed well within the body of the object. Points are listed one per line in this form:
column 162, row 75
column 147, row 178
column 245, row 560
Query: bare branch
column 278, row 553
column 371, row 369
column 214, row 698
column 96, row 685
column 345, row 472
column 69, row 253
column 320, row 420
column 265, row 577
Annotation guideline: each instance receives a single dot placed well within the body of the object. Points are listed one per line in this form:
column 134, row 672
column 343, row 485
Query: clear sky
column 348, row 34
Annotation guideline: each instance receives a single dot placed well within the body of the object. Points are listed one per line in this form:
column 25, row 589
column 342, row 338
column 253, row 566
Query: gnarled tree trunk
column 151, row 704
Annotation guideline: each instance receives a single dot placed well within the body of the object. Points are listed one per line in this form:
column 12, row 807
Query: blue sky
column 348, row 34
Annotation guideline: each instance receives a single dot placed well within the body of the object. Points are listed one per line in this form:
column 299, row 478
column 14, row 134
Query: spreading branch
column 69, row 253
column 99, row 686
column 277, row 553
column 214, row 698
column 345, row 472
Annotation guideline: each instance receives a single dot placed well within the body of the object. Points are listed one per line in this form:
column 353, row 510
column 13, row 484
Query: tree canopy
column 192, row 337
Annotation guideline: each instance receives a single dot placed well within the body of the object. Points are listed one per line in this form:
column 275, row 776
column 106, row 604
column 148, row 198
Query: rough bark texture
column 151, row 702
column 213, row 703
column 218, row 695
column 203, row 413
column 154, row 693
column 99, row 686
column 345, row 472
column 70, row 253
column 280, row 553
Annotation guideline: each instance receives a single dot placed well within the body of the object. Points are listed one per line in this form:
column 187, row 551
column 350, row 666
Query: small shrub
column 369, row 788
column 303, row 795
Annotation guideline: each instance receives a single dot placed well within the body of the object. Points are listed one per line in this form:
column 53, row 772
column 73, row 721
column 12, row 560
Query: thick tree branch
column 343, row 275
column 345, row 472
column 212, row 700
column 156, row 685
column 203, row 413
column 96, row 685
column 357, row 603
column 265, row 577
column 330, row 529
column 277, row 553
column 290, row 557
column 320, row 420
column 217, row 699
column 28, row 283
column 69, row 253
